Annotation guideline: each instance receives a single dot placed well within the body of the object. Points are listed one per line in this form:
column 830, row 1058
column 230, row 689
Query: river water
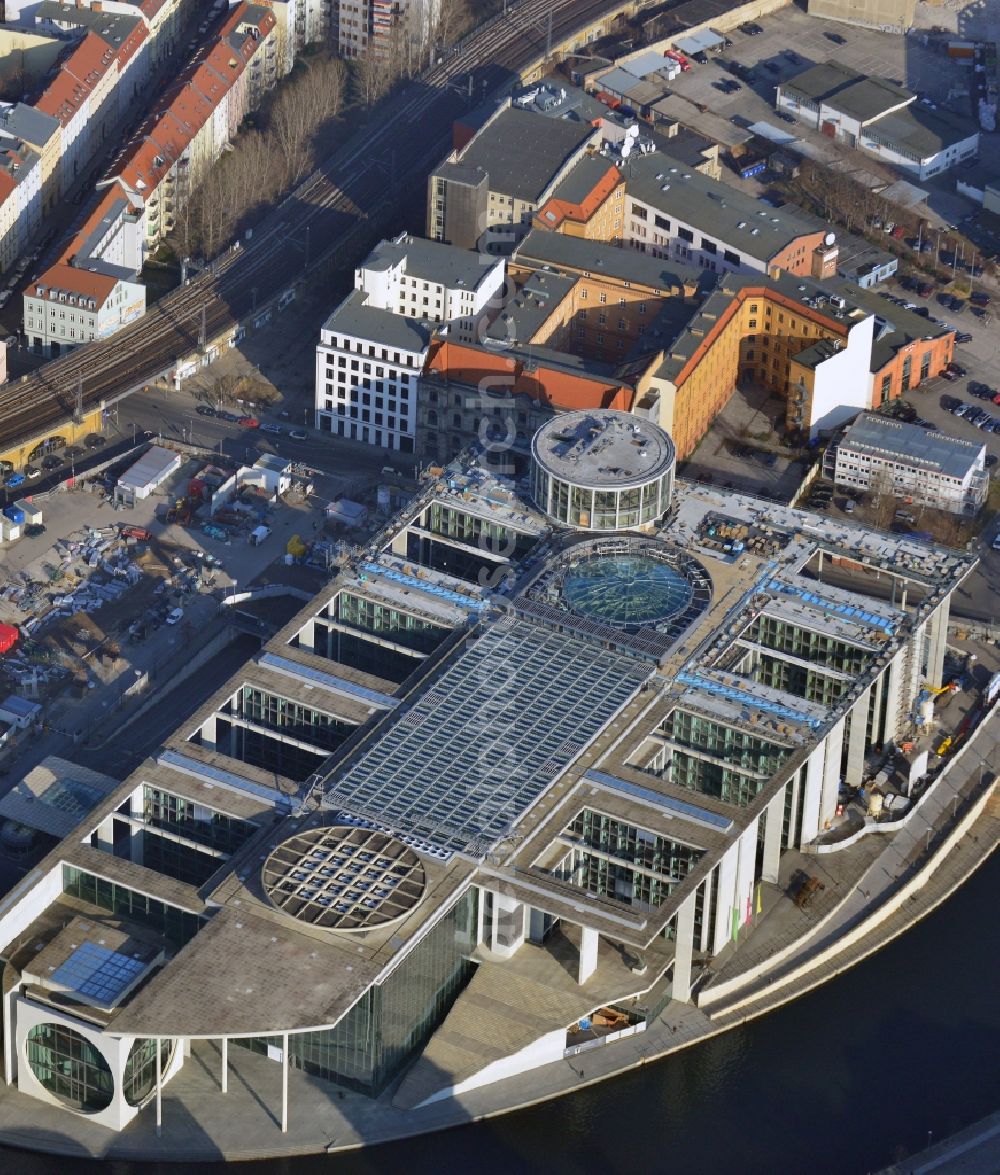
column 841, row 1081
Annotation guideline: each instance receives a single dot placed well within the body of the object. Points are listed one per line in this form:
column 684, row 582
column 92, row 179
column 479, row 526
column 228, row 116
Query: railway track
column 317, row 218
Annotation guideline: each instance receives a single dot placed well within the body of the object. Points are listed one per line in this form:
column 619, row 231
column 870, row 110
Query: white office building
column 373, row 347
column 912, row 463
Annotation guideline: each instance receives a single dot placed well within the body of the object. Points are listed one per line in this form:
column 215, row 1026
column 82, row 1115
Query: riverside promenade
column 888, row 883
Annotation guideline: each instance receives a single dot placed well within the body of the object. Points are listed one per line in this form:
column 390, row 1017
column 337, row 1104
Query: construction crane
column 923, row 704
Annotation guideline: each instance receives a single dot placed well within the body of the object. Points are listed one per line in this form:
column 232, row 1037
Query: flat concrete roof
column 432, row 261
column 356, row 318
column 603, row 448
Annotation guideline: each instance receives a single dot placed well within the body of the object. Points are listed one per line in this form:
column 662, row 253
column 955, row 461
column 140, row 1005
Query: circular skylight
column 344, row 877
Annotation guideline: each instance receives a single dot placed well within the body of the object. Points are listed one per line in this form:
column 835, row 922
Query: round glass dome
column 626, row 590
column 70, row 1067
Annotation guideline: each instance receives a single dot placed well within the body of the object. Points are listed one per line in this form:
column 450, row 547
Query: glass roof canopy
column 99, row 974
column 509, row 713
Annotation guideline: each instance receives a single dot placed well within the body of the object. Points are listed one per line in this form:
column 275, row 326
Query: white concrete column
column 937, row 636
column 811, row 793
column 209, row 735
column 706, row 905
column 831, row 774
column 284, row 1083
column 224, row 1083
column 509, row 916
column 858, row 739
column 743, row 897
column 480, row 916
column 683, row 950
column 106, row 834
column 589, row 940
column 894, row 686
column 775, row 814
column 159, row 1087
column 725, row 898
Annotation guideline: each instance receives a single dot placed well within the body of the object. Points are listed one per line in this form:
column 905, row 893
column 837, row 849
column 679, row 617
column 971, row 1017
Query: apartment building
column 675, row 212
column 486, row 193
column 906, row 461
column 683, row 337
column 94, row 86
column 298, row 23
column 191, row 125
column 68, row 306
column 41, row 133
column 373, row 347
column 588, row 202
column 879, row 117
column 368, row 363
column 417, row 278
column 20, row 197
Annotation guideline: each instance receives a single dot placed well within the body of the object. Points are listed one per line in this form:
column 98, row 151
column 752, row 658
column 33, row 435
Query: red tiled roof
column 74, row 281
column 78, row 75
column 545, row 384
column 7, row 185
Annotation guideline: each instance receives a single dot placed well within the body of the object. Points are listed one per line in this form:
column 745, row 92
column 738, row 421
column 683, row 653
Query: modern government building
column 509, row 781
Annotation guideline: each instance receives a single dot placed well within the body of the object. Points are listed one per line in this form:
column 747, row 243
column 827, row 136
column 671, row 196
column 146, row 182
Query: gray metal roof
column 869, row 98
column 112, row 27
column 922, row 132
column 582, row 178
column 820, row 81
column 913, row 445
column 432, row 261
column 545, row 248
column 29, row 124
column 354, row 317
column 528, row 310
column 522, row 151
column 714, row 208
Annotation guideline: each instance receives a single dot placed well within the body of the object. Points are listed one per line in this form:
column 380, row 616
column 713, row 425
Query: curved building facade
column 602, row 470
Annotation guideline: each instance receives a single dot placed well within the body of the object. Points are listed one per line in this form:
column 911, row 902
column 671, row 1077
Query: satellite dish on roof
column 627, row 148
column 633, row 131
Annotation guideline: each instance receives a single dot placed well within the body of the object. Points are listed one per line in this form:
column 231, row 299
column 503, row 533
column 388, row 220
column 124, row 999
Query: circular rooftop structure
column 602, row 470
column 344, row 878
column 629, row 583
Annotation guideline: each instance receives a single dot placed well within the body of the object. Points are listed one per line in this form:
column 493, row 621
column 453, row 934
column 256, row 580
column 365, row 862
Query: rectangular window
column 686, row 234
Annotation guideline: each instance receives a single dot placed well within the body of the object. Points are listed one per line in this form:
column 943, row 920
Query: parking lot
column 791, row 42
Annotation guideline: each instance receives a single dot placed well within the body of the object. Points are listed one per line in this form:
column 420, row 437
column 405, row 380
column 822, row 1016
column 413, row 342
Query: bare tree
column 452, row 19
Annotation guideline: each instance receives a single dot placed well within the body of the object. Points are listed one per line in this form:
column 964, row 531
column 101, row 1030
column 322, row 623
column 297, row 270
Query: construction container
column 32, row 513
column 15, row 514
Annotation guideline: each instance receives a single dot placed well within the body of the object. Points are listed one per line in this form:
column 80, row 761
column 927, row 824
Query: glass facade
column 194, row 821
column 287, row 717
column 355, row 651
column 270, row 752
column 182, row 862
column 618, row 860
column 392, row 624
column 815, row 647
column 70, row 1067
column 392, row 1021
column 714, row 759
column 474, row 531
column 139, row 1078
column 175, row 924
column 603, row 509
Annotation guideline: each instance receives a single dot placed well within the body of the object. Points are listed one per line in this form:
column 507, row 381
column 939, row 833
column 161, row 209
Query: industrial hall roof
column 523, row 152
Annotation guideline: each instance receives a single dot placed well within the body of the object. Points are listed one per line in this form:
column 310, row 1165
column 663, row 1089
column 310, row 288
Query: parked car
column 249, row 422
column 94, row 441
column 31, row 472
column 272, row 428
column 963, row 336
column 204, row 410
column 957, row 369
column 751, row 29
column 34, row 529
column 52, row 461
column 849, row 505
column 785, row 116
column 15, row 480
column 945, row 374
column 979, row 298
column 175, row 616
column 991, row 460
